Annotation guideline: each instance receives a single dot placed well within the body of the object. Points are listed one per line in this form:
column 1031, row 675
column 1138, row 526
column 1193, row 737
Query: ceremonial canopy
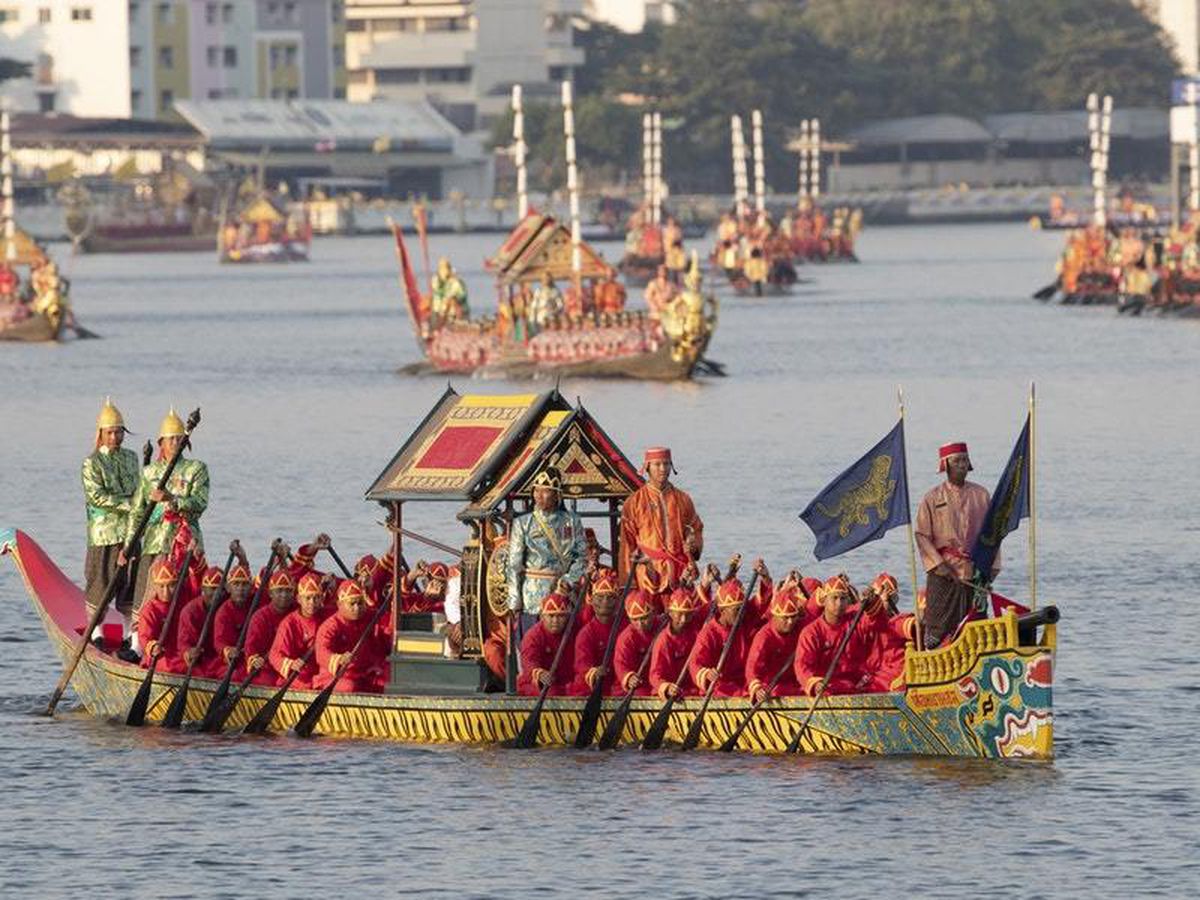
column 484, row 449
column 541, row 244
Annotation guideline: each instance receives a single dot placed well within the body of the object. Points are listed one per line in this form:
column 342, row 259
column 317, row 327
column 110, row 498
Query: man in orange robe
column 660, row 520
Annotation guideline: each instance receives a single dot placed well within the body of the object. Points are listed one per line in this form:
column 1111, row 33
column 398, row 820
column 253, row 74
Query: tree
column 14, row 68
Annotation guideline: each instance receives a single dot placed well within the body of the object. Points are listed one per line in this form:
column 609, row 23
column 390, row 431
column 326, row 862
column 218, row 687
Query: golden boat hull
column 985, row 696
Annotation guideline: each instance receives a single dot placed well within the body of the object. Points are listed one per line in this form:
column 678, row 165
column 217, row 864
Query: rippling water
column 295, row 371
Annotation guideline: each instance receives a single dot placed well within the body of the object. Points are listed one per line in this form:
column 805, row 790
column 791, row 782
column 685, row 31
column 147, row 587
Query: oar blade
column 692, row 738
column 527, row 737
column 174, row 716
column 307, row 722
column 611, row 736
column 262, row 720
column 731, row 742
column 141, row 702
column 590, row 717
column 658, row 728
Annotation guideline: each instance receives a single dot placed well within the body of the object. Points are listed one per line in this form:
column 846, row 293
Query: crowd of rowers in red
column 800, row 616
column 303, row 610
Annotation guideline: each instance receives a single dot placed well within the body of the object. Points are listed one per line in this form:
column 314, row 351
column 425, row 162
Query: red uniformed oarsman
column 367, row 670
column 668, row 676
column 711, row 641
column 227, row 623
column 263, row 625
column 819, row 641
column 660, row 520
column 429, row 597
column 632, row 643
column 163, row 577
column 888, row 635
column 592, row 639
column 773, row 646
column 297, row 634
column 191, row 624
column 539, row 647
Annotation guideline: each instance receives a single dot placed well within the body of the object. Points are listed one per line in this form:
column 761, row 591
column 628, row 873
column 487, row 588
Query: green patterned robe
column 109, row 482
column 189, row 484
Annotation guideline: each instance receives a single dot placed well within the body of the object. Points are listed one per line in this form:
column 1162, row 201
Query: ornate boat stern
column 989, row 693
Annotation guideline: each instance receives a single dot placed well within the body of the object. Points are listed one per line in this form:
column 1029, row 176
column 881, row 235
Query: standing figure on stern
column 948, row 522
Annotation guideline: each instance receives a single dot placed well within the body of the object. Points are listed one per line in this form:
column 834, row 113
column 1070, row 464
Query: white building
column 630, row 15
column 1181, row 20
column 462, row 55
column 121, row 58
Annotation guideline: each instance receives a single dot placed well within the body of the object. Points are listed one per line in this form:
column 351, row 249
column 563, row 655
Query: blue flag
column 864, row 502
column 1010, row 504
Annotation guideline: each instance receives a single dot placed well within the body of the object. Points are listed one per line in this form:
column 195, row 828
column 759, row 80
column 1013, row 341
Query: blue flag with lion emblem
column 864, row 502
column 1010, row 504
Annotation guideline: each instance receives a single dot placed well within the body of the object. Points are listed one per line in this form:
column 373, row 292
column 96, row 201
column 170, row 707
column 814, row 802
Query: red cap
column 683, row 600
column 367, row 562
column 438, row 570
column 731, row 593
column 638, row 604
column 604, row 581
column 212, row 577
column 553, row 604
column 786, row 602
column 658, row 454
column 310, row 584
column 162, row 572
column 948, row 450
column 349, row 590
column 281, row 578
column 239, row 574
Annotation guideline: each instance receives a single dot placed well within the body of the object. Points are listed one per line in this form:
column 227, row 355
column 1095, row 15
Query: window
column 339, row 93
column 44, row 15
column 454, row 75
column 397, row 76
column 215, row 93
column 230, row 57
column 8, row 15
column 339, row 55
column 135, row 101
column 356, row 25
column 292, row 93
column 133, row 12
column 135, row 57
column 166, row 57
column 289, row 55
column 46, row 101
column 289, row 12
column 166, row 13
column 212, row 55
column 210, row 13
column 166, row 100
column 335, row 11
column 226, row 13
column 81, row 14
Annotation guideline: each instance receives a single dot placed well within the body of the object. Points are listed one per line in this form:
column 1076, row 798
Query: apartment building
column 137, row 57
column 463, row 56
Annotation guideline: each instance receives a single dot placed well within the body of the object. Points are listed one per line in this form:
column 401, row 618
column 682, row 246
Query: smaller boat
column 265, row 231
column 590, row 335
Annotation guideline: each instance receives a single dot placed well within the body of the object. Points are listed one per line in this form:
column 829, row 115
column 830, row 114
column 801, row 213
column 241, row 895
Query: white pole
column 647, row 167
column 1093, row 107
column 519, row 153
column 760, row 172
column 6, row 189
column 572, row 180
column 802, row 192
column 656, row 144
column 1194, row 152
column 1101, row 200
column 815, row 159
column 741, row 187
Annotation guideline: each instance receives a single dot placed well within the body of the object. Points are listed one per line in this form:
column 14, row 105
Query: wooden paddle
column 692, row 738
column 262, row 720
column 120, row 575
column 141, row 700
column 1048, row 291
column 218, row 698
column 528, row 735
column 310, row 717
column 591, row 710
column 732, row 741
column 658, row 728
column 794, row 745
column 174, row 716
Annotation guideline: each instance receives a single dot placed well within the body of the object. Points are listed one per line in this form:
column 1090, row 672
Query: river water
column 294, row 368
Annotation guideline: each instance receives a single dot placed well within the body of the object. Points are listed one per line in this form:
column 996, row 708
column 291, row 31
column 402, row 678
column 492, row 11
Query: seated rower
column 429, row 597
column 366, row 671
column 710, row 642
column 297, row 635
column 668, row 661
column 263, row 625
column 773, row 646
column 539, row 647
column 592, row 639
column 202, row 657
column 227, row 623
column 632, row 644
column 888, row 632
column 153, row 616
column 819, row 641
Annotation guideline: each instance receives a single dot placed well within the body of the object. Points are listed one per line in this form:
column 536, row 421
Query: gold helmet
column 172, row 426
column 694, row 279
column 110, row 417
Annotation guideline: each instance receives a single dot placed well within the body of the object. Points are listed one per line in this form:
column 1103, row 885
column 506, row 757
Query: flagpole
column 1032, row 496
column 912, row 540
